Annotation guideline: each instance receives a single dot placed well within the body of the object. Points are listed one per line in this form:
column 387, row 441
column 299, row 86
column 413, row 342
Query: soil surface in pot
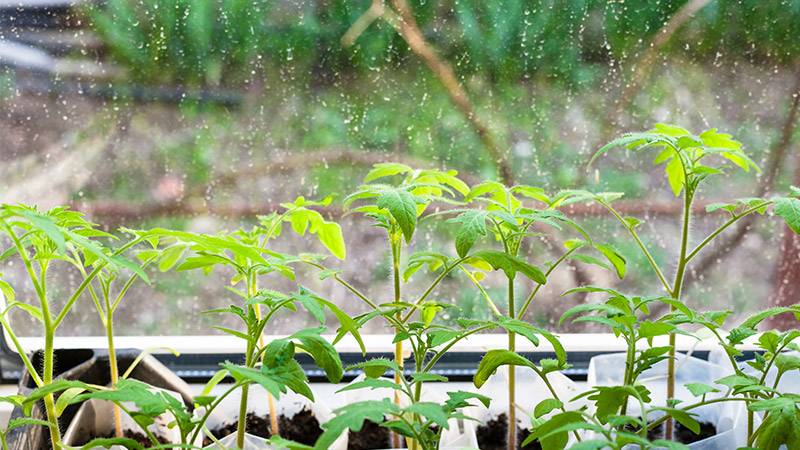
column 303, row 427
column 683, row 434
column 371, row 437
column 493, row 435
column 137, row 436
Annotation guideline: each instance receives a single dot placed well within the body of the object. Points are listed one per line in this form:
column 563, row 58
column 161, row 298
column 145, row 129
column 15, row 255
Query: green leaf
column 427, row 377
column 352, row 417
column 494, row 359
column 375, row 368
column 789, row 210
column 170, row 257
column 614, row 257
column 675, row 174
column 648, row 329
column 7, row 290
column 236, row 333
column 546, row 406
column 110, row 442
column 780, row 428
column 46, row 225
column 431, row 411
column 510, row 265
column 403, row 208
column 670, row 445
column 65, row 399
column 323, row 353
column 371, row 383
column 786, row 362
column 279, row 443
column 330, row 234
column 276, row 378
column 550, row 435
column 382, row 170
column 24, row 422
column 700, row 389
column 311, row 303
column 684, row 418
column 473, row 225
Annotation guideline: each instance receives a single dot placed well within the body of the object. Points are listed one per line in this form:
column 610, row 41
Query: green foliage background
column 210, row 41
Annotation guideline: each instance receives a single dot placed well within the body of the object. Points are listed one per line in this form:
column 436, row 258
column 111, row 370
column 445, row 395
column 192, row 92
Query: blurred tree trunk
column 786, row 291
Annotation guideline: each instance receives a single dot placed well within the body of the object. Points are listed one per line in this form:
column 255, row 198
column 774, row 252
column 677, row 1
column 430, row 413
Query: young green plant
column 106, row 298
column 689, row 162
column 421, row 421
column 42, row 240
column 503, row 215
column 246, row 255
column 396, row 208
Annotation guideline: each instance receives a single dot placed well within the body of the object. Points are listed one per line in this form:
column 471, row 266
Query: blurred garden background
column 202, row 114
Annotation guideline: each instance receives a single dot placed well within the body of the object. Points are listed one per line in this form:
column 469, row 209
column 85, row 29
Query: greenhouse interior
column 400, row 224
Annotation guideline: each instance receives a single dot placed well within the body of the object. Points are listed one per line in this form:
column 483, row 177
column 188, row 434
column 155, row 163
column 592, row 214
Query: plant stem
column 49, row 356
column 640, row 244
column 112, row 366
column 676, row 294
column 629, row 361
column 398, row 346
column 241, row 426
column 512, row 397
column 210, row 409
column 49, row 401
column 433, row 285
column 725, row 226
column 547, row 273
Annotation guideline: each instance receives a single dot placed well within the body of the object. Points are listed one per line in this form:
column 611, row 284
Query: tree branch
column 780, row 148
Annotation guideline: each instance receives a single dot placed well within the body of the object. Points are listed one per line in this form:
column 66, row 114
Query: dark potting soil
column 683, row 434
column 371, row 436
column 137, row 436
column 494, row 435
column 303, row 427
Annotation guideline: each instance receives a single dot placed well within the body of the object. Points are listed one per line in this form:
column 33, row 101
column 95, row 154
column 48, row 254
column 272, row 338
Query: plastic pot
column 287, row 405
column 730, row 419
column 90, row 367
column 530, row 389
column 460, row 434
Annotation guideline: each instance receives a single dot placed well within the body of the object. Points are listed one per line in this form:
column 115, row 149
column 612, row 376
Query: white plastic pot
column 288, row 405
column 460, row 434
column 530, row 390
column 730, row 418
column 789, row 382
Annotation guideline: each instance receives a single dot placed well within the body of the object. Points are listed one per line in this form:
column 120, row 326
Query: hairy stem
column 250, row 360
column 47, row 378
column 512, row 397
column 640, row 244
column 676, row 294
column 398, row 346
column 113, row 368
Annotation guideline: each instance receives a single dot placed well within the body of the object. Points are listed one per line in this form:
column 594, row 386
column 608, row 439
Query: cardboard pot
column 95, row 418
column 90, row 367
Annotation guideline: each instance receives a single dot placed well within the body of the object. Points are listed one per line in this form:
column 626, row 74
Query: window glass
column 202, row 115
